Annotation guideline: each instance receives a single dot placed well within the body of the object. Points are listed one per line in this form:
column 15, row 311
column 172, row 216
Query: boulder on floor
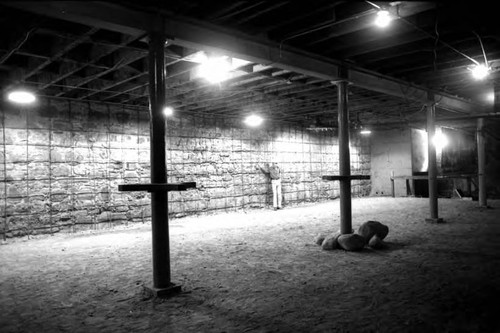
column 351, row 242
column 376, row 243
column 330, row 242
column 318, row 240
column 372, row 228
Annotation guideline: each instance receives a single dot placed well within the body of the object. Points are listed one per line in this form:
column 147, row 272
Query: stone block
column 371, row 228
column 15, row 154
column 38, row 153
column 98, row 117
column 351, row 242
column 14, row 117
column 61, row 139
column 376, row 243
column 331, row 242
column 38, row 137
column 318, row 240
column 61, row 170
column 79, row 115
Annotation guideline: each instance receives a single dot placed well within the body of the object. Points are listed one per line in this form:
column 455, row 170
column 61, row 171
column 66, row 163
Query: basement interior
column 240, row 166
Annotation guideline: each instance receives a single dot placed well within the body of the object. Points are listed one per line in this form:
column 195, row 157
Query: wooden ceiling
column 97, row 51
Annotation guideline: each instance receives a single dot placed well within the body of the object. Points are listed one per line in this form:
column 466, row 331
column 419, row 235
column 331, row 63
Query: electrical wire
column 18, row 46
column 436, row 38
column 435, row 44
column 482, row 48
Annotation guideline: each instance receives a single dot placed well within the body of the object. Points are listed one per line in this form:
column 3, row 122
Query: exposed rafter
column 201, row 35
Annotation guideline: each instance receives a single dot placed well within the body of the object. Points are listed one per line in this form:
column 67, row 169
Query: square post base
column 434, row 220
column 171, row 290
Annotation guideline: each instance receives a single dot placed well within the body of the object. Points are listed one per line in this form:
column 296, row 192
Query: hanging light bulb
column 21, row 97
column 253, row 120
column 383, row 18
column 440, row 140
column 365, row 131
column 216, row 69
column 480, row 71
column 168, row 111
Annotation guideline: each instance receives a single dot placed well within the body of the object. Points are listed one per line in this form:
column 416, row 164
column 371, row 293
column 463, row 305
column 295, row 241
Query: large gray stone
column 351, row 242
column 318, row 240
column 330, row 242
column 376, row 243
column 372, row 228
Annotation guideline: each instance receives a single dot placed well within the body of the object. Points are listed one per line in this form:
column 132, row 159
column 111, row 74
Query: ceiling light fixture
column 253, row 120
column 440, row 140
column 479, row 71
column 21, row 97
column 490, row 97
column 216, row 69
column 365, row 132
column 168, row 111
column 383, row 19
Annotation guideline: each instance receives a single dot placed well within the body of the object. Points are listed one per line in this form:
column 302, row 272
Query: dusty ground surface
column 259, row 271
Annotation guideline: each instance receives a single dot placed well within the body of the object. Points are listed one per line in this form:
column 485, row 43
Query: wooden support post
column 344, row 157
column 432, row 164
column 162, row 286
column 393, row 189
column 481, row 161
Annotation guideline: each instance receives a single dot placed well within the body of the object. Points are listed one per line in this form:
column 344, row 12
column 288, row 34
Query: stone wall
column 62, row 162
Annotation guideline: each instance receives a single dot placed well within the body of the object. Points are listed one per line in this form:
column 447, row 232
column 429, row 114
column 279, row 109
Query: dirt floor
column 260, row 271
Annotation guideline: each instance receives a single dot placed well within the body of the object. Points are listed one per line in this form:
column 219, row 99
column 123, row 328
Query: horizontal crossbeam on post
column 351, row 177
column 157, row 187
column 472, row 175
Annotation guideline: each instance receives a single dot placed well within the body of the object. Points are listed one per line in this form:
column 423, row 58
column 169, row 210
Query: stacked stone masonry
column 62, row 162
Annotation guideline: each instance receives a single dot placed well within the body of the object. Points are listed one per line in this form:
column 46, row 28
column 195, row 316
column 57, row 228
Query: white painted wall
column 390, row 152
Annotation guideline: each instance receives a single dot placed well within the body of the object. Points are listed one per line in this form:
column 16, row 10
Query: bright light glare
column 490, row 97
column 479, row 72
column 168, row 111
column 21, row 97
column 253, row 120
column 215, row 70
column 365, row 132
column 440, row 140
column 383, row 19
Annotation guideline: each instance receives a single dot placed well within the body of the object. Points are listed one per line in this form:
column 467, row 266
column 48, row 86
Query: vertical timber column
column 432, row 168
column 481, row 161
column 159, row 204
column 344, row 156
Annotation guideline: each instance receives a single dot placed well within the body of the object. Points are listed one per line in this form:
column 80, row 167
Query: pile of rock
column 370, row 233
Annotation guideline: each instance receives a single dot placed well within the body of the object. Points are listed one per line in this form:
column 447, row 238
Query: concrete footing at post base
column 171, row 290
column 435, row 220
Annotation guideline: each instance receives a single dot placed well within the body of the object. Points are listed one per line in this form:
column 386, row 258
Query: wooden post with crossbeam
column 344, row 176
column 159, row 188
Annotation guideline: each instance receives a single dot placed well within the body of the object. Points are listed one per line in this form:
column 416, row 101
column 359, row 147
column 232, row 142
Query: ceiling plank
column 70, row 46
column 365, row 19
column 202, row 35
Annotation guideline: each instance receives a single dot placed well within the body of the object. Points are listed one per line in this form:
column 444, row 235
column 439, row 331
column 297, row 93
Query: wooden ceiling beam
column 204, row 36
column 58, row 55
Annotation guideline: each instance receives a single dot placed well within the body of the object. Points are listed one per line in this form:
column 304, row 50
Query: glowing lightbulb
column 365, row 132
column 253, row 120
column 480, row 71
column 21, row 97
column 383, row 18
column 215, row 70
column 168, row 111
column 440, row 140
